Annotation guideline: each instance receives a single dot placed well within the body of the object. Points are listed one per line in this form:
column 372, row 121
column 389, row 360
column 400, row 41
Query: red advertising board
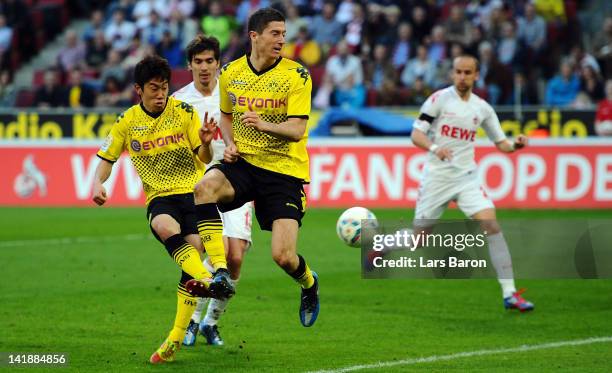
column 372, row 172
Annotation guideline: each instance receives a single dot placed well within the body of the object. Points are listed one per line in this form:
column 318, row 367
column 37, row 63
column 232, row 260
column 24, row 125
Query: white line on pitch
column 436, row 358
column 73, row 240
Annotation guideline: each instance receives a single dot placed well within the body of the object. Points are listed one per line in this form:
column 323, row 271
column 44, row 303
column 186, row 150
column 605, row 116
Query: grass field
column 95, row 284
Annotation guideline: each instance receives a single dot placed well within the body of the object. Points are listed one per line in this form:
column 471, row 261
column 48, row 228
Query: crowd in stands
column 382, row 52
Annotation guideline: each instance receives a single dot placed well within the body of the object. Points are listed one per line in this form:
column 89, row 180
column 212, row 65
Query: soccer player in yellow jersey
column 168, row 146
column 265, row 103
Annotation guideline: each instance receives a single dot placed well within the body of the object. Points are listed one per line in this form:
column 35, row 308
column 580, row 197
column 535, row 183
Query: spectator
column 184, row 7
column 563, row 88
column 113, row 94
column 356, row 27
column 494, row 77
column 78, row 94
column 418, row 93
column 247, row 7
column 457, row 27
column 19, row 18
column 153, row 32
column 144, row 9
column 551, row 10
column 303, row 49
column 532, row 30
column 421, row 24
column 135, row 52
column 591, row 83
column 8, row 92
column 392, row 19
column 171, row 50
column 580, row 58
column 293, row 22
column 217, row 24
column 182, row 28
column 509, row 48
column 6, row 37
column 420, row 66
column 325, row 30
column 437, row 45
column 524, row 91
column 402, row 50
column 119, row 32
column 603, row 116
column 345, row 74
column 602, row 46
column 114, row 68
column 72, row 55
column 96, row 24
column 345, row 11
column 97, row 50
column 51, row 93
column 381, row 77
column 235, row 49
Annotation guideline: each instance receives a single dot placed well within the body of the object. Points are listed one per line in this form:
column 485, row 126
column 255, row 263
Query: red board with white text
column 372, row 173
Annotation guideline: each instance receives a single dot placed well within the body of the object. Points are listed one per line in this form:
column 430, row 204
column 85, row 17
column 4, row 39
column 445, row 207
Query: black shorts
column 275, row 195
column 180, row 206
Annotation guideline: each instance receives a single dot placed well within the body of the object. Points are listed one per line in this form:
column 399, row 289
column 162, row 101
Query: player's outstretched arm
column 508, row 146
column 103, row 172
column 291, row 130
column 420, row 139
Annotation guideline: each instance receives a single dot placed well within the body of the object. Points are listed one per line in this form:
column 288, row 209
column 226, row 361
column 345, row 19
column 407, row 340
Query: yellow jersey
column 161, row 146
column 276, row 93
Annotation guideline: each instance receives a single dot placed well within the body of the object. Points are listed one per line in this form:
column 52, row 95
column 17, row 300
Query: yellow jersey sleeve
column 225, row 103
column 115, row 142
column 298, row 103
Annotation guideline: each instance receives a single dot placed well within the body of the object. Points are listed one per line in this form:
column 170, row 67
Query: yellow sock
column 210, row 228
column 303, row 274
column 187, row 257
column 185, row 306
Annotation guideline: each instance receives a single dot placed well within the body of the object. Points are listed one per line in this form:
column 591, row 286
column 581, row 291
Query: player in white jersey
column 446, row 127
column 203, row 56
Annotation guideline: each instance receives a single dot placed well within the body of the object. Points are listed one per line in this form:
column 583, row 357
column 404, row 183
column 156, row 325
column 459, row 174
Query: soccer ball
column 348, row 226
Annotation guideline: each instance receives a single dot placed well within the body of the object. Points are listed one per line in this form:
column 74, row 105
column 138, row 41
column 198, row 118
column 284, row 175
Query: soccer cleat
column 309, row 305
column 165, row 352
column 211, row 332
column 221, row 286
column 516, row 301
column 191, row 333
column 199, row 288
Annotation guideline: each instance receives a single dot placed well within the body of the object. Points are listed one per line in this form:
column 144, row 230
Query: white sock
column 500, row 257
column 216, row 307
column 197, row 314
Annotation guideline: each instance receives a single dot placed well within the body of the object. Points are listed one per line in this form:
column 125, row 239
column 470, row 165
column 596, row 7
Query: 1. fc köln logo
column 475, row 120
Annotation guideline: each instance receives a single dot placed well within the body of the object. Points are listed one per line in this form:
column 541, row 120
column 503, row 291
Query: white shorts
column 237, row 223
column 436, row 193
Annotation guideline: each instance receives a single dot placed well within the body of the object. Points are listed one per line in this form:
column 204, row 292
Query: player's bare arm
column 508, row 146
column 206, row 134
column 230, row 154
column 103, row 172
column 420, row 139
column 291, row 130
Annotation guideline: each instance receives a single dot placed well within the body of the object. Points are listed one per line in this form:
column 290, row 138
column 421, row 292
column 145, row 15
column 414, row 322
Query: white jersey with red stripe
column 451, row 122
column 203, row 104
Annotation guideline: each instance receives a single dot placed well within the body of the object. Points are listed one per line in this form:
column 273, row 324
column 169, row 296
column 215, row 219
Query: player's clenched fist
column 99, row 194
column 230, row 154
column 520, row 142
column 444, row 154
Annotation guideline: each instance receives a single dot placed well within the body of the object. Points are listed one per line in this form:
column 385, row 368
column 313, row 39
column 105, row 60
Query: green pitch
column 93, row 283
